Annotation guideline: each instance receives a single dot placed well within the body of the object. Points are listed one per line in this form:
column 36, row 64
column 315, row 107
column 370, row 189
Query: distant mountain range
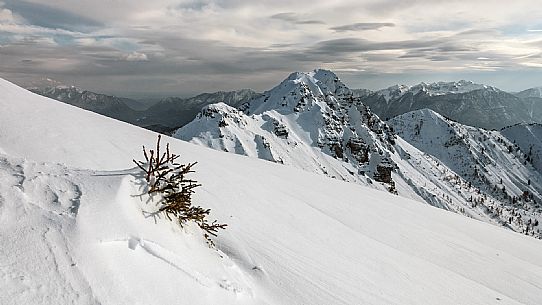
column 462, row 101
column 465, row 102
column 529, row 93
column 314, row 122
column 111, row 106
column 164, row 116
column 174, row 112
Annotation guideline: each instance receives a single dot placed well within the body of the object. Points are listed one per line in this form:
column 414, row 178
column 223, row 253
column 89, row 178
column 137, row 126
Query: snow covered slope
column 465, row 102
column 529, row 138
column 79, row 236
column 500, row 177
column 312, row 121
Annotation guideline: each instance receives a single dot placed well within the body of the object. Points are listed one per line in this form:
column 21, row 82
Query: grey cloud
column 310, row 22
column 414, row 54
column 477, row 32
column 439, row 58
column 535, row 43
column 49, row 17
column 459, row 54
column 442, row 49
column 292, row 17
column 199, row 5
column 196, row 5
column 295, row 18
column 389, row 7
column 218, row 65
column 362, row 26
column 455, row 48
column 343, row 45
column 537, row 55
column 281, row 45
column 213, row 63
column 353, row 45
column 177, row 64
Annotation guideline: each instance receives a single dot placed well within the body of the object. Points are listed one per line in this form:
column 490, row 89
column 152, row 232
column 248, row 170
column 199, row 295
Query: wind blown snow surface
column 73, row 229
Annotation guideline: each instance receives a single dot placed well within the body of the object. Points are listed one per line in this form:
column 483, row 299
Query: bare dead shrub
column 168, row 178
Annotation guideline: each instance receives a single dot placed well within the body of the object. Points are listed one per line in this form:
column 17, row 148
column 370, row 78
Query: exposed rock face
column 280, row 129
column 358, row 149
column 383, row 172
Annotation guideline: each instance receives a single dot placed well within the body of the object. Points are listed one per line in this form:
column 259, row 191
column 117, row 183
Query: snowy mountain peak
column 46, row 83
column 393, row 92
column 310, row 120
column 299, row 92
column 322, row 75
column 221, row 113
column 535, row 92
column 330, row 82
column 220, row 107
column 64, row 89
column 432, row 89
column 425, row 114
column 441, row 88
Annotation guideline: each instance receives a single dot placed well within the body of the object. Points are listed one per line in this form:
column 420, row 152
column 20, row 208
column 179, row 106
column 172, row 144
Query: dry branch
column 167, row 177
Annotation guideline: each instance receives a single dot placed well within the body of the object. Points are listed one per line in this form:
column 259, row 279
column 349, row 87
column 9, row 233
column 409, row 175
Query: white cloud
column 532, row 64
column 6, row 16
column 135, row 56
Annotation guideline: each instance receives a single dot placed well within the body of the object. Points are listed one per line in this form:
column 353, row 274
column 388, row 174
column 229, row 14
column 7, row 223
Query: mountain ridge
column 163, row 116
column 320, row 126
column 468, row 103
column 474, row 102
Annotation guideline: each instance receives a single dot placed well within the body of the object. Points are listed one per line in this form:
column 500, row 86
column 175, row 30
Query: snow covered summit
column 300, row 92
column 311, row 121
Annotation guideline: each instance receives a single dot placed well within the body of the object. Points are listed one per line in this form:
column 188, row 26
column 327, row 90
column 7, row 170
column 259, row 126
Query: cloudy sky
column 173, row 47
